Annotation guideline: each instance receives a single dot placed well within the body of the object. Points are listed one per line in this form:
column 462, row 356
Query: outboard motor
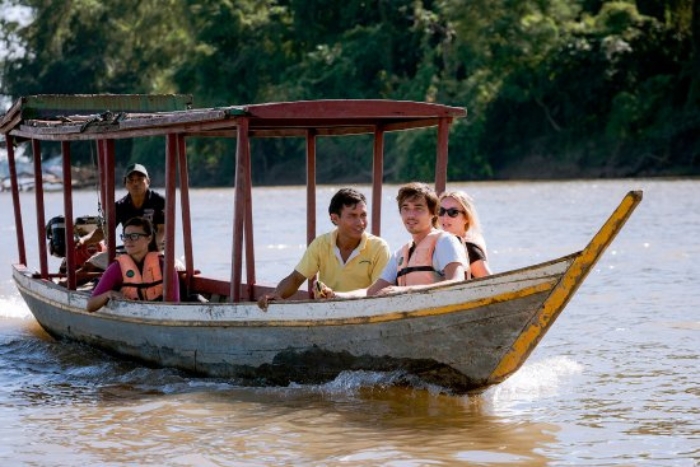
column 85, row 224
column 56, row 234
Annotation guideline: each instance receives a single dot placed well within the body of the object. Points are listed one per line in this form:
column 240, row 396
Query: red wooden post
column 171, row 149
column 310, row 186
column 109, row 202
column 68, row 211
column 19, row 226
column 249, row 244
column 242, row 160
column 40, row 215
column 442, row 147
column 185, row 207
column 377, row 180
column 310, row 191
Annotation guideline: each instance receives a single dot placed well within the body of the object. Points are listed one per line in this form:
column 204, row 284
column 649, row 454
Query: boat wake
column 536, row 380
column 13, row 307
column 532, row 382
column 349, row 382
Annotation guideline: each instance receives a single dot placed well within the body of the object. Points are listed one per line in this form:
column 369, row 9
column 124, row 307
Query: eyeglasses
column 452, row 212
column 132, row 236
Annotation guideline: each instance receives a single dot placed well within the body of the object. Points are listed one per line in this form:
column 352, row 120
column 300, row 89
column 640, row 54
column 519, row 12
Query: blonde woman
column 458, row 216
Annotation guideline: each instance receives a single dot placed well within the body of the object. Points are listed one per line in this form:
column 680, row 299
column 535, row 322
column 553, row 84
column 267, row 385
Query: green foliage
column 584, row 87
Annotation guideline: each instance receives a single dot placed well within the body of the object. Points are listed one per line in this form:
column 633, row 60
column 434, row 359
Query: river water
column 616, row 381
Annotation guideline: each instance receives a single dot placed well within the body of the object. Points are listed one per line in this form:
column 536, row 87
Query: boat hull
column 463, row 336
column 452, row 336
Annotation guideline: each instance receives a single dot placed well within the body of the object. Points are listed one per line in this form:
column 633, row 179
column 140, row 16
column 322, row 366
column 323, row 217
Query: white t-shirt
column 448, row 249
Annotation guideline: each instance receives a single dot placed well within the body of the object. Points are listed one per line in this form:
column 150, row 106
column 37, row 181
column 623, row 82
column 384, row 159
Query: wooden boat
column 462, row 337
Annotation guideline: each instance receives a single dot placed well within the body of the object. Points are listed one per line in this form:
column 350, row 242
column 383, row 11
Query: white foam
column 13, row 306
column 534, row 381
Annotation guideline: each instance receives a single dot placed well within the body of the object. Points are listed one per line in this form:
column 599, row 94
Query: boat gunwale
column 124, row 308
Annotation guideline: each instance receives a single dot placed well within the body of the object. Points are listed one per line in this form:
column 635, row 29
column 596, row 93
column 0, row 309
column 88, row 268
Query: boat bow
column 535, row 329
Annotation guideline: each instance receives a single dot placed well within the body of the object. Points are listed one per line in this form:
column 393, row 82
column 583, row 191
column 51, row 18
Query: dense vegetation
column 554, row 88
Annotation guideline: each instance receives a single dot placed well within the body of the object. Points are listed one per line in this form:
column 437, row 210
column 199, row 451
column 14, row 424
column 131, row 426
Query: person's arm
column 92, row 238
column 386, row 281
column 381, row 260
column 374, row 289
column 378, row 286
column 454, row 272
column 286, row 288
column 479, row 265
column 104, row 291
column 480, row 268
column 98, row 301
column 450, row 253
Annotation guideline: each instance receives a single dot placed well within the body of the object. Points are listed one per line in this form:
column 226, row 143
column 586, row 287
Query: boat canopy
column 104, row 118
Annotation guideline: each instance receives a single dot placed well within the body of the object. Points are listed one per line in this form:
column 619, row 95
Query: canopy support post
column 40, row 215
column 239, row 215
column 310, row 192
column 68, row 211
column 106, row 161
column 441, row 162
column 248, row 227
column 185, row 208
column 171, row 155
column 377, row 180
column 19, row 226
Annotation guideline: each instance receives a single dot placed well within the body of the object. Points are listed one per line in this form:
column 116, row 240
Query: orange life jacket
column 415, row 262
column 141, row 286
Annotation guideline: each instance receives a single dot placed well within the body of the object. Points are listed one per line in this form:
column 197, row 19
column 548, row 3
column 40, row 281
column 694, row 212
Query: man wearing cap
column 140, row 201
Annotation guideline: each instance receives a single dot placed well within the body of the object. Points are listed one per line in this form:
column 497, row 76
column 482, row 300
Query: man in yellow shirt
column 346, row 258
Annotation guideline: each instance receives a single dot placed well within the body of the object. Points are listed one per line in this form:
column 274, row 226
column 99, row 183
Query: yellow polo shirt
column 364, row 266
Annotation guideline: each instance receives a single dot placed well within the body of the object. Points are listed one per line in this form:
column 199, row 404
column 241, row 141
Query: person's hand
column 102, row 300
column 322, row 291
column 264, row 301
column 114, row 295
column 392, row 289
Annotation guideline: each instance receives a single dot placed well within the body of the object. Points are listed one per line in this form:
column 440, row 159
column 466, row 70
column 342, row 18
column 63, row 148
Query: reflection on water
column 613, row 383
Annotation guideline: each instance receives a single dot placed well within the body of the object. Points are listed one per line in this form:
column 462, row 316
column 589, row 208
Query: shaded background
column 554, row 88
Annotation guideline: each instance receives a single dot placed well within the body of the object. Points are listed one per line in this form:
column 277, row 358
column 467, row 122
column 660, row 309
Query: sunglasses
column 132, row 236
column 452, row 212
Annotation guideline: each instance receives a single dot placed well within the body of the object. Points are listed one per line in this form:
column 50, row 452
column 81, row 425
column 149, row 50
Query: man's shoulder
column 123, row 201
column 154, row 196
column 324, row 238
column 445, row 241
column 376, row 241
column 319, row 244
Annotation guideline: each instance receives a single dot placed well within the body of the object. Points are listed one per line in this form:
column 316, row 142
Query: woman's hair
column 147, row 227
column 415, row 190
column 473, row 228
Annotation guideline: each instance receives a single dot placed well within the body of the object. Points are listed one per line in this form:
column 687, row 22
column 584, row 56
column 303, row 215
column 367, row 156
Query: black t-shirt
column 153, row 209
column 474, row 252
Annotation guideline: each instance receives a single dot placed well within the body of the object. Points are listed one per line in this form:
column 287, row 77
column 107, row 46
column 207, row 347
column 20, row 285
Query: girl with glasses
column 136, row 275
column 458, row 216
